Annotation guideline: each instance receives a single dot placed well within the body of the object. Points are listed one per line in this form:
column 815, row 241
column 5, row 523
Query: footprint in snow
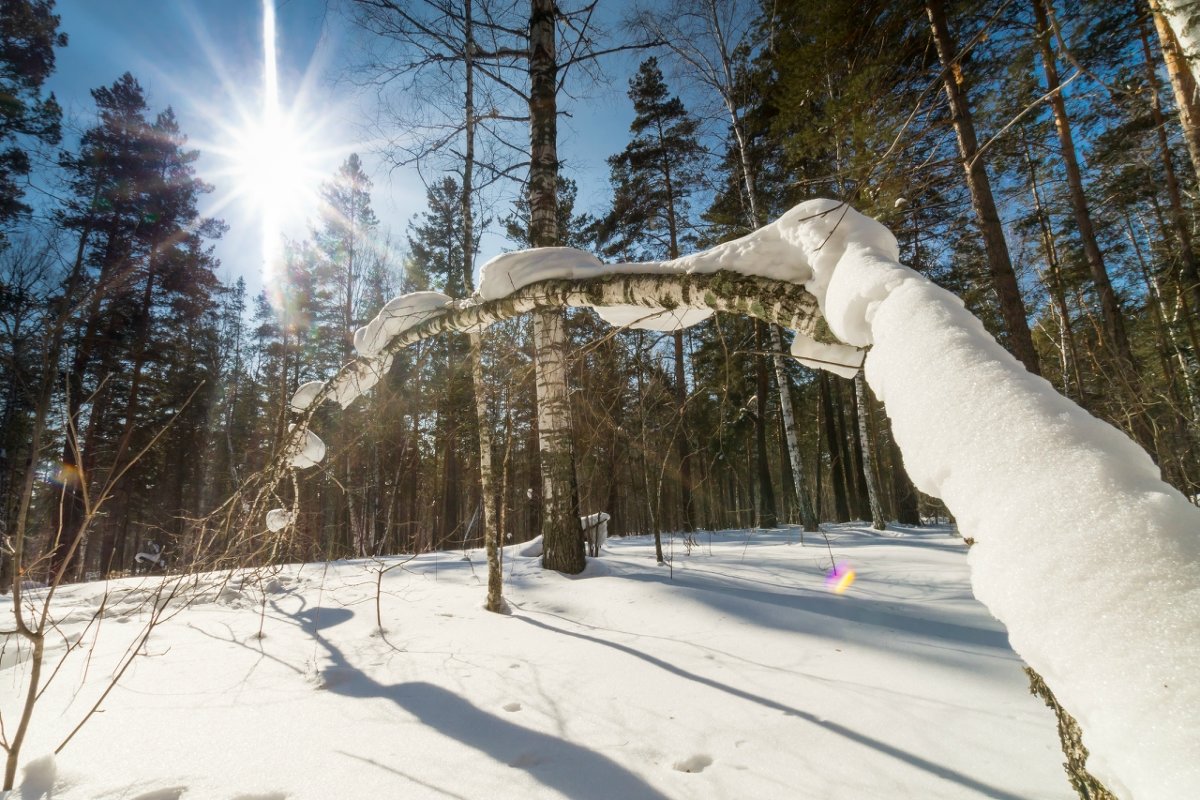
column 512, row 706
column 695, row 763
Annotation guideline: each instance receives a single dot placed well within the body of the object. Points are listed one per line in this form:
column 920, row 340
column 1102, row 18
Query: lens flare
column 838, row 579
column 61, row 474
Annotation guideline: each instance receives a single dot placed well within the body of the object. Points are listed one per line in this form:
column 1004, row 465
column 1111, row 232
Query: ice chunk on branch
column 278, row 519
column 306, row 449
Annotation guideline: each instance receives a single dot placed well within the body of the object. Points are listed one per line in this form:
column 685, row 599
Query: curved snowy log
column 786, row 304
column 1089, row 559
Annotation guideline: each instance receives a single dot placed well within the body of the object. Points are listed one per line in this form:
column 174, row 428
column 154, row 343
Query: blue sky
column 204, row 58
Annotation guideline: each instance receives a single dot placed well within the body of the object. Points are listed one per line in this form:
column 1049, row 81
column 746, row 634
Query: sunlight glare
column 273, row 159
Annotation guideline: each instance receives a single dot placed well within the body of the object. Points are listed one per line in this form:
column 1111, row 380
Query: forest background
column 1039, row 161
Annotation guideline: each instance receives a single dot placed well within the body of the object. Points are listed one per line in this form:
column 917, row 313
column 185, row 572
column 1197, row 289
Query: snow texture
column 652, row 319
column 740, row 676
column 840, row 359
column 359, row 378
column 305, row 395
column 40, row 776
column 309, row 450
column 508, row 272
column 278, row 519
column 399, row 315
column 1090, row 560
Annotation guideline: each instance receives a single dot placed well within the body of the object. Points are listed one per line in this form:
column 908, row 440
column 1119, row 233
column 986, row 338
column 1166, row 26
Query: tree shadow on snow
column 778, row 609
column 912, row 759
column 575, row 771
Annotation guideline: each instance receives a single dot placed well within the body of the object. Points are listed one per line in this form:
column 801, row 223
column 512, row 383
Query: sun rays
column 271, row 156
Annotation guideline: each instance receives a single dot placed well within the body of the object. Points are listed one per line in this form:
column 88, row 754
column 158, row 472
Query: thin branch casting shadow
column 575, row 771
column 940, row 770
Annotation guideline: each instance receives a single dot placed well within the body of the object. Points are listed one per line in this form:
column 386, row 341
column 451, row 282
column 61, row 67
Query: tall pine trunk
column 1000, row 269
column 1110, row 308
column 864, row 437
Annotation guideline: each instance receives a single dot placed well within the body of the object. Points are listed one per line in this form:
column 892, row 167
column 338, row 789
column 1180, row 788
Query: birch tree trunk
column 1190, row 273
column 1183, row 83
column 808, row 516
column 487, row 490
column 562, row 537
column 1000, row 269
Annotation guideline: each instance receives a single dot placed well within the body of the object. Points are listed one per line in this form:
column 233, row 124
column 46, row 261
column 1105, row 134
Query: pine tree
column 28, row 35
column 652, row 179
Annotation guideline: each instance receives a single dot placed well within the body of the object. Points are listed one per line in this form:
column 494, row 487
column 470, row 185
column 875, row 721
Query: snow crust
column 309, row 450
column 305, row 395
column 652, row 319
column 839, row 359
column 1091, row 561
column 741, row 677
column 278, row 519
column 396, row 317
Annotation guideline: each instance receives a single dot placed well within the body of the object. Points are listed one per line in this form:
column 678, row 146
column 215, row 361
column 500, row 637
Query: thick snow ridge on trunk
column 1090, row 560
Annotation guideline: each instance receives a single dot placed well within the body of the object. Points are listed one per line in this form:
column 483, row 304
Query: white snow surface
column 736, row 675
column 397, row 316
column 508, row 272
column 309, row 450
column 652, row 319
column 278, row 519
column 1089, row 559
column 360, row 378
column 304, row 395
column 840, row 359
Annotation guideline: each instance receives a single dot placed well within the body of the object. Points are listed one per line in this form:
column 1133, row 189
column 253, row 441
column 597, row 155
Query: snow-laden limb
column 278, row 519
column 304, row 395
column 360, row 378
column 306, row 449
column 649, row 319
column 398, row 315
column 840, row 359
column 1090, row 560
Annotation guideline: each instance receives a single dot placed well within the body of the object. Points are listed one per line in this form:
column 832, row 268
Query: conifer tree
column 652, row 180
column 28, row 36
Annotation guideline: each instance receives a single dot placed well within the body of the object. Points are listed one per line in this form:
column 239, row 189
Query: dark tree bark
column 1000, row 269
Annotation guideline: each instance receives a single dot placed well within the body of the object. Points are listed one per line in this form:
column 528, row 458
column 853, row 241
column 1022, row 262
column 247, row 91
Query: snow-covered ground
column 738, row 674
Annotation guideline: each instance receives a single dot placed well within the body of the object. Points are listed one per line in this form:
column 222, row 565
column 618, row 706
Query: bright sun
column 272, row 165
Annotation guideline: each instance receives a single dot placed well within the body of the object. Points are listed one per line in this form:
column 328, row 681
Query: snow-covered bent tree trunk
column 1090, row 560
